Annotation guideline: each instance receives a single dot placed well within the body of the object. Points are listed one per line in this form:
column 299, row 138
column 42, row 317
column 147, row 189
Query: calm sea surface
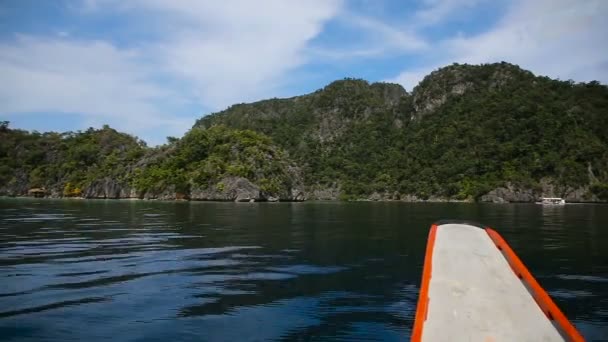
column 158, row 271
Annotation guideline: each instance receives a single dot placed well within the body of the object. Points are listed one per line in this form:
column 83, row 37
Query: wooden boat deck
column 475, row 295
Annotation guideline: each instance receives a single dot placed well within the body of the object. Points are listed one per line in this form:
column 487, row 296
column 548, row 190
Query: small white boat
column 552, row 201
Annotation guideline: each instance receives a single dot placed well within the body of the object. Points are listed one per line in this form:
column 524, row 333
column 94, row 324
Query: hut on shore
column 37, row 192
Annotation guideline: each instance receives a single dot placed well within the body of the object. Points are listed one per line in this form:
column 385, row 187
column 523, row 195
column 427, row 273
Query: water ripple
column 145, row 270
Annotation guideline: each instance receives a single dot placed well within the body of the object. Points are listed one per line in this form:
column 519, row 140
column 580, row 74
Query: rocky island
column 492, row 132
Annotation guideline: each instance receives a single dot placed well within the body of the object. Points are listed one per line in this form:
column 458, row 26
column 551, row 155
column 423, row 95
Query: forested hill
column 489, row 132
column 213, row 164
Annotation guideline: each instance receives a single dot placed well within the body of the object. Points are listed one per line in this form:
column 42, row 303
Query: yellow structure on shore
column 37, row 192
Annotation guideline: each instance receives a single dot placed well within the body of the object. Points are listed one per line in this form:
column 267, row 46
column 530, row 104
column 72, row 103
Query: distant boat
column 475, row 288
column 552, row 201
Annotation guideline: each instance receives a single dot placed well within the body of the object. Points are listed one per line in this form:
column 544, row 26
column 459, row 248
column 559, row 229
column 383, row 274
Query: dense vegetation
column 203, row 158
column 74, row 163
column 521, row 131
column 64, row 163
column 462, row 132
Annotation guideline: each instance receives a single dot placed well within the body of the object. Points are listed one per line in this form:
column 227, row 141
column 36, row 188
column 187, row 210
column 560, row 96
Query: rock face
column 236, row 189
column 325, row 194
column 239, row 189
column 509, row 194
column 297, row 195
column 513, row 193
column 582, row 195
column 388, row 196
column 164, row 194
column 324, row 115
column 108, row 188
column 434, row 90
column 17, row 188
column 351, row 140
column 391, row 93
column 454, row 80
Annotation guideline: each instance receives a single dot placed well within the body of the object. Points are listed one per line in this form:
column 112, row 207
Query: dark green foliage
column 52, row 160
column 464, row 131
column 68, row 163
column 203, row 157
column 521, row 130
column 600, row 190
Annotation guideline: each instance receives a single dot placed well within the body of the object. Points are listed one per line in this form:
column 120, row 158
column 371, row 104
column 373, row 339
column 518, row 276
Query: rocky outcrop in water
column 491, row 132
column 514, row 193
column 236, row 189
column 108, row 188
column 509, row 194
column 18, row 186
column 324, row 194
column 240, row 189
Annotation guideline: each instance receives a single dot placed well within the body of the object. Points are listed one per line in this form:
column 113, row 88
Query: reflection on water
column 134, row 270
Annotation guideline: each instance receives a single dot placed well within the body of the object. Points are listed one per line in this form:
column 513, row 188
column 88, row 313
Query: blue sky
column 152, row 67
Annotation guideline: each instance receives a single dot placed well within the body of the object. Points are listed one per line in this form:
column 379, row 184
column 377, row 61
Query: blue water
column 157, row 271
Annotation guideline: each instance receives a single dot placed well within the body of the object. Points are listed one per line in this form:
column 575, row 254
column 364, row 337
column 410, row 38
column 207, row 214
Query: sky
column 152, row 67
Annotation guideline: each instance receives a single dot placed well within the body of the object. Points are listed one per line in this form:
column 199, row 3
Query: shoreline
column 434, row 200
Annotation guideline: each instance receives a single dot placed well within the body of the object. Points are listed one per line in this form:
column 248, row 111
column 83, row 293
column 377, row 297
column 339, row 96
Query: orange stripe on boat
column 541, row 297
column 423, row 299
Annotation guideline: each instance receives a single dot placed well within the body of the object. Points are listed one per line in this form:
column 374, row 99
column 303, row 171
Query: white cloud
column 91, row 78
column 390, row 35
column 235, row 50
column 562, row 39
column 372, row 38
column 378, row 37
column 202, row 55
column 253, row 50
column 435, row 11
column 410, row 78
column 206, row 54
